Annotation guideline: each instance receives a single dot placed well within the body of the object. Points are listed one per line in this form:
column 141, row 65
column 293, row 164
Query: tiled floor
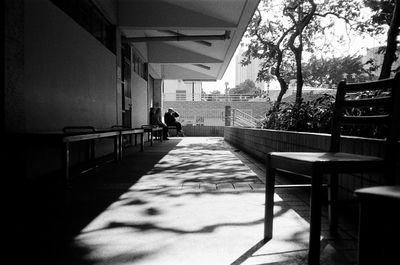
column 191, row 200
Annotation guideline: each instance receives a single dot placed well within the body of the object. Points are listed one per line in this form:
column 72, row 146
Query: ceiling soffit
column 196, row 38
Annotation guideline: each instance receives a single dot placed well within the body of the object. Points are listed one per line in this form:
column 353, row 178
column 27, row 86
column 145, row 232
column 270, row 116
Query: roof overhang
column 187, row 39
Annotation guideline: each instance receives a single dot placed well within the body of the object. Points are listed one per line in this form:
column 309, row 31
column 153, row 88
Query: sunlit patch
column 193, row 204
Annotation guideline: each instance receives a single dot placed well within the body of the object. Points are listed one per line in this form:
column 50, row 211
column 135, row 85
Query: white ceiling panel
column 188, row 38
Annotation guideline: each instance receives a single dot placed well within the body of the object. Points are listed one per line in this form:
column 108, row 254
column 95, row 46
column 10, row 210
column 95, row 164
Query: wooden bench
column 130, row 131
column 172, row 131
column 116, row 132
column 89, row 136
column 136, row 132
column 153, row 132
column 68, row 130
column 72, row 134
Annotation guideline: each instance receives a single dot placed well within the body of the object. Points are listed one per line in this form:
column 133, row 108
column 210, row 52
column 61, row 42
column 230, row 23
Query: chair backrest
column 373, row 104
column 78, row 129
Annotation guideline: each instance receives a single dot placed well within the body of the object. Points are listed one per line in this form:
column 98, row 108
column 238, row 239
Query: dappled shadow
column 156, row 201
column 51, row 216
column 151, row 226
column 183, row 194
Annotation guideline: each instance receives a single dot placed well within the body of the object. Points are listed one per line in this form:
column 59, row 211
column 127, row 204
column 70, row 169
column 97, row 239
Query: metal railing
column 202, row 117
column 212, row 97
column 242, row 119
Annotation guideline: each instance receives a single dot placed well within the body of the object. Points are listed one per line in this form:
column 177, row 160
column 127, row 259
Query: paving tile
column 225, row 186
column 258, row 186
column 241, row 186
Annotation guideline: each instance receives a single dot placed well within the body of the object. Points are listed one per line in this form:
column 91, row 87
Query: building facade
column 249, row 71
column 180, row 90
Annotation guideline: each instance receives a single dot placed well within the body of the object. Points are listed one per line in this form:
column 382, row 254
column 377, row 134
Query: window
column 86, row 14
column 180, row 95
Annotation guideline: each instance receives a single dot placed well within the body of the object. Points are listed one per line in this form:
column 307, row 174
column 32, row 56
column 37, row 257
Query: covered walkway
column 192, row 200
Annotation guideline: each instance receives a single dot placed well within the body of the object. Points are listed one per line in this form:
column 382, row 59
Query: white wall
column 70, row 77
column 139, row 101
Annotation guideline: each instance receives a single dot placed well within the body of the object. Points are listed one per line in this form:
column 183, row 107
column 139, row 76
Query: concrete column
column 157, row 93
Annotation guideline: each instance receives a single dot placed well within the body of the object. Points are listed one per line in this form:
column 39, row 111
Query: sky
column 229, row 77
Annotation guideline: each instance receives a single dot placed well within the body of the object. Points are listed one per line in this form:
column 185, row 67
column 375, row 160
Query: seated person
column 153, row 116
column 170, row 119
column 157, row 120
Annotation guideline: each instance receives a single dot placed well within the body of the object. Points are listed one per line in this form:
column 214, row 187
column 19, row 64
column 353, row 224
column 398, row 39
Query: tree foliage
column 213, row 96
column 248, row 87
column 328, row 72
column 280, row 31
column 385, row 15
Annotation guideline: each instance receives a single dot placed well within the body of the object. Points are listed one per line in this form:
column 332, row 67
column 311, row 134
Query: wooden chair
column 315, row 164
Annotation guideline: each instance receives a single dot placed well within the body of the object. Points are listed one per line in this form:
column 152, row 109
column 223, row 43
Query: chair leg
column 315, row 220
column 269, row 200
column 333, row 203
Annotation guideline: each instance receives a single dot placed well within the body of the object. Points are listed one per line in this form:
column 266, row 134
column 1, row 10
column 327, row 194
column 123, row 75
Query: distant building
column 250, row 72
column 179, row 90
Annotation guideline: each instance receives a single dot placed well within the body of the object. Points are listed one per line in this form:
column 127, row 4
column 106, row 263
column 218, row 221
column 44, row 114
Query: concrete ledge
column 259, row 142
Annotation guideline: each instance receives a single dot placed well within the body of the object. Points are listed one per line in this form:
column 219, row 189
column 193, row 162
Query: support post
column 228, row 115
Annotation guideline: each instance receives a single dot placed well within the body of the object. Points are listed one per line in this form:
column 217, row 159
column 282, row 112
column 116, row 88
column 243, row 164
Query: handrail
column 243, row 119
column 213, row 97
column 243, row 123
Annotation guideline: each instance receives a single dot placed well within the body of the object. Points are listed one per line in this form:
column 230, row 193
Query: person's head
column 171, row 110
column 158, row 110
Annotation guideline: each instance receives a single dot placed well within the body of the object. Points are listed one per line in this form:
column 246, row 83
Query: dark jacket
column 169, row 119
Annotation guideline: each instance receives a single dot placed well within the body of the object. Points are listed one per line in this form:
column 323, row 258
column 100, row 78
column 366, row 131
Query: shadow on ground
column 49, row 216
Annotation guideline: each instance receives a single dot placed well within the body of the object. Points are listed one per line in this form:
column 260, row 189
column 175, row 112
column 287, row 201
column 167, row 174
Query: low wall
column 258, row 142
column 203, row 130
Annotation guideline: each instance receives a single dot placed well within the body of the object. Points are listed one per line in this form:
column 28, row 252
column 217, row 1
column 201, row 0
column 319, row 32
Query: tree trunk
column 282, row 82
column 299, row 75
column 391, row 43
column 284, row 88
